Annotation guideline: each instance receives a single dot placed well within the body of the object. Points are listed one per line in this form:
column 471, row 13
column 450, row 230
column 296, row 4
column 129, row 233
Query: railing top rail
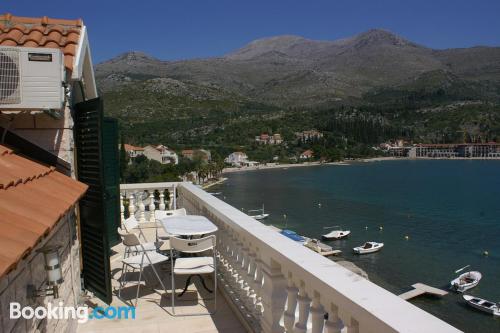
column 354, row 294
column 148, row 186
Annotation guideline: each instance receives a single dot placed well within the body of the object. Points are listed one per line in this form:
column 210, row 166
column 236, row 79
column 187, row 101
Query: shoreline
column 349, row 162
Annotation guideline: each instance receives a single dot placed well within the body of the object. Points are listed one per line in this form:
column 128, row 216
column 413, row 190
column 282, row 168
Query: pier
column 420, row 289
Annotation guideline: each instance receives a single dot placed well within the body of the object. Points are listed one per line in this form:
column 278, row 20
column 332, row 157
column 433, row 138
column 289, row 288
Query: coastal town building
column 306, row 155
column 310, row 135
column 162, row 154
column 490, row 150
column 133, row 151
column 237, row 158
column 269, row 139
column 201, row 154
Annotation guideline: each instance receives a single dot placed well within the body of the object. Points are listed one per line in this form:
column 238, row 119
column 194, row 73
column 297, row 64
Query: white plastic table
column 188, row 225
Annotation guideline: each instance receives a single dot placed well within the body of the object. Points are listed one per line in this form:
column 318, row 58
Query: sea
column 434, row 217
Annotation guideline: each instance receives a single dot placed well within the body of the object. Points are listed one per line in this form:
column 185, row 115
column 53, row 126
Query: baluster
column 152, row 206
column 273, row 297
column 317, row 314
column 245, row 278
column 289, row 316
column 258, row 286
column 162, row 200
column 333, row 324
column 304, row 306
column 352, row 326
column 142, row 209
column 252, row 267
column 131, row 205
column 122, row 209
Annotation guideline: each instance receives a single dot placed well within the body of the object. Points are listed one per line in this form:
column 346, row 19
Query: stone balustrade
column 143, row 199
column 281, row 286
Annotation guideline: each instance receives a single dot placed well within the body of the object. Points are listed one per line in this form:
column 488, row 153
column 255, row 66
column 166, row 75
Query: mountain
column 295, row 71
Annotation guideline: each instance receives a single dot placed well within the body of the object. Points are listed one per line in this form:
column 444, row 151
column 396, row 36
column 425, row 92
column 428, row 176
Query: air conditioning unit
column 31, row 78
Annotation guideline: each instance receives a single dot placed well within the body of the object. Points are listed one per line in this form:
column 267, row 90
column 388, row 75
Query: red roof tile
column 33, row 198
column 131, row 147
column 41, row 32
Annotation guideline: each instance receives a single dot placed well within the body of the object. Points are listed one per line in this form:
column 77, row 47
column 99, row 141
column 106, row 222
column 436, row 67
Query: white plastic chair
column 132, row 248
column 161, row 234
column 140, row 261
column 131, row 224
column 194, row 266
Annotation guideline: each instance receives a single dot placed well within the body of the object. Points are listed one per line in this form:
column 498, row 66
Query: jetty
column 420, row 289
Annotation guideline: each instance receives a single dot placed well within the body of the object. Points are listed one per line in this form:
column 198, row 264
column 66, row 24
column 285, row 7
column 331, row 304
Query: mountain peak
column 379, row 37
column 133, row 57
column 276, row 44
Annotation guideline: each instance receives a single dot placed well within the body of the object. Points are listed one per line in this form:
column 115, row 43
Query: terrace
column 267, row 282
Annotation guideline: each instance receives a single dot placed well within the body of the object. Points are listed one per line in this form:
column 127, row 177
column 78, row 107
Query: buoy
column 366, row 227
column 284, row 216
column 381, row 228
column 319, row 205
column 486, row 253
column 407, row 237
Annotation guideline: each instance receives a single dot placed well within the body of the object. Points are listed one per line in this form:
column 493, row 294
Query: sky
column 184, row 29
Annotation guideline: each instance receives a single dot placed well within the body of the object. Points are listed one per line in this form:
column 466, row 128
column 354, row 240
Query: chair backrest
column 130, row 223
column 161, row 214
column 128, row 238
column 193, row 245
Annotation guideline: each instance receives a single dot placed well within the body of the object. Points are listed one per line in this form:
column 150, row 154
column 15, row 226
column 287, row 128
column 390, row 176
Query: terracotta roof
column 42, row 32
column 130, row 147
column 33, row 198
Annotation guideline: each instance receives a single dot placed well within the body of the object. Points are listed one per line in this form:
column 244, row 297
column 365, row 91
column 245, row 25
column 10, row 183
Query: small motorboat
column 293, row 236
column 317, row 246
column 260, row 216
column 368, row 247
column 466, row 281
column 337, row 234
column 483, row 305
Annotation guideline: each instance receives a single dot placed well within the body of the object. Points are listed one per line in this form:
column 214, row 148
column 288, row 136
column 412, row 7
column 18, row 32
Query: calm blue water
column 449, row 209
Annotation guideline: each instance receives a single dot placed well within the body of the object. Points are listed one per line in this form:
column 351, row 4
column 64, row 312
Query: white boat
column 260, row 216
column 337, row 234
column 483, row 305
column 317, row 246
column 466, row 281
column 368, row 247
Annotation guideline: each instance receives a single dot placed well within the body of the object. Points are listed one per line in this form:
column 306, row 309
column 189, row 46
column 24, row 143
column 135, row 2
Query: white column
column 304, row 305
column 131, row 205
column 258, row 286
column 352, row 326
column 122, row 209
column 142, row 209
column 162, row 200
column 273, row 298
column 289, row 316
column 152, row 206
column 317, row 314
column 333, row 324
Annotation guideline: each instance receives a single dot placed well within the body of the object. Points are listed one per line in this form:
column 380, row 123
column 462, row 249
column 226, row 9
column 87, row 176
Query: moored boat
column 368, row 247
column 337, row 234
column 483, row 305
column 466, row 281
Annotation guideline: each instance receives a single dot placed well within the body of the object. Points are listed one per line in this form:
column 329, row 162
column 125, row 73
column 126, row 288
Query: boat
column 293, row 236
column 336, row 234
column 260, row 216
column 483, row 305
column 466, row 281
column 368, row 247
column 317, row 246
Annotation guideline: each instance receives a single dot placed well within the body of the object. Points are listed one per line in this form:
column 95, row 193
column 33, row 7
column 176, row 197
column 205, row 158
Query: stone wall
column 13, row 286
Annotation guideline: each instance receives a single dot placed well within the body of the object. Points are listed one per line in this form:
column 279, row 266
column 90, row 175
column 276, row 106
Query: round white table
column 188, row 225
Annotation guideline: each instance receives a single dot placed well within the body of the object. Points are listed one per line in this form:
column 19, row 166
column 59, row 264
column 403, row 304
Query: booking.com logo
column 81, row 313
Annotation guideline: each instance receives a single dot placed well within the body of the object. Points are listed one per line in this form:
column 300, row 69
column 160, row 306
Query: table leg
column 188, row 282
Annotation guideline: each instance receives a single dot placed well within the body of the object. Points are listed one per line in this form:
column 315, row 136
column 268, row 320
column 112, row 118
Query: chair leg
column 138, row 286
column 172, row 277
column 123, row 279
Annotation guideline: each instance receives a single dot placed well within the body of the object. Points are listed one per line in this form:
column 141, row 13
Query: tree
column 123, row 159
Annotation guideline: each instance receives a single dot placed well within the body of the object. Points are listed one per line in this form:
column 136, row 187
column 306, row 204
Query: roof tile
column 33, row 198
column 41, row 32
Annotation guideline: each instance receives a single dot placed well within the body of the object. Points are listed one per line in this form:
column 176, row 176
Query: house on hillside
column 133, row 151
column 162, row 154
column 306, row 155
column 310, row 135
column 237, row 158
column 266, row 139
column 56, row 147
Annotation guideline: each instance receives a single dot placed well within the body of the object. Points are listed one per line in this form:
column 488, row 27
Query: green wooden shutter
column 98, row 207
